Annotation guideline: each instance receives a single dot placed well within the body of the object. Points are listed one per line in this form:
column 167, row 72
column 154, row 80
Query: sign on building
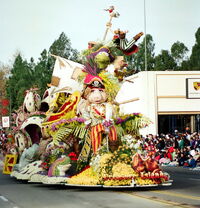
column 5, row 121
column 193, row 88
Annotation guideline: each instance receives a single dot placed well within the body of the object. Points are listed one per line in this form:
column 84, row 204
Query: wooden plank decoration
column 9, row 162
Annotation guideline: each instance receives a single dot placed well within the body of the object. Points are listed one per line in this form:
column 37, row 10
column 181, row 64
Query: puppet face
column 97, row 95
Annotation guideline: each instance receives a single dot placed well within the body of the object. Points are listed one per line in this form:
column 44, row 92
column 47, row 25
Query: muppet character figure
column 96, row 111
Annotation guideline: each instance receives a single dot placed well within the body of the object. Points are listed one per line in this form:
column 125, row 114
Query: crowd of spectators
column 177, row 149
column 3, row 140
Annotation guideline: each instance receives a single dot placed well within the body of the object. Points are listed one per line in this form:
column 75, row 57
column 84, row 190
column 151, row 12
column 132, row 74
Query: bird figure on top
column 110, row 9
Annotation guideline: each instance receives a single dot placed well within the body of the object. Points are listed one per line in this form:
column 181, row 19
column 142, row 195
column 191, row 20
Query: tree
column 195, row 56
column 4, row 102
column 185, row 66
column 137, row 60
column 4, row 72
column 20, row 80
column 164, row 61
column 178, row 52
column 62, row 47
column 44, row 68
column 25, row 75
column 43, row 71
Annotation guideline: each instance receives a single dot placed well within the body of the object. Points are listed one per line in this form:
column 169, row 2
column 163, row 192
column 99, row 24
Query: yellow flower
column 87, row 177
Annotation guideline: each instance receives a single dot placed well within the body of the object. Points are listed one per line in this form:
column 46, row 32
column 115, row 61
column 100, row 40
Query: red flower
column 4, row 111
column 5, row 102
column 44, row 165
column 73, row 156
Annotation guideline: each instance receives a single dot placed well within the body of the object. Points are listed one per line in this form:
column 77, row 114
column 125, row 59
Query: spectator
column 192, row 151
column 192, row 162
column 160, row 144
column 197, row 156
column 187, row 130
column 181, row 142
column 181, row 159
column 176, row 144
column 175, row 148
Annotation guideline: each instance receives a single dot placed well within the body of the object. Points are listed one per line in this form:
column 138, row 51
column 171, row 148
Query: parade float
column 83, row 138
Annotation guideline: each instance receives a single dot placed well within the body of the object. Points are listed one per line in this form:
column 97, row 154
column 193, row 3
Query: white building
column 171, row 99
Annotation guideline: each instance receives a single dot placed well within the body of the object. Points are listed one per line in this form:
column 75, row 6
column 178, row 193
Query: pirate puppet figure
column 97, row 112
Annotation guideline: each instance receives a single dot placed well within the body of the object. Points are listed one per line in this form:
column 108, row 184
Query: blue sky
column 29, row 26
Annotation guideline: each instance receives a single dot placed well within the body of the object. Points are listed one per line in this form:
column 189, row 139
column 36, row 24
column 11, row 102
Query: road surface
column 185, row 192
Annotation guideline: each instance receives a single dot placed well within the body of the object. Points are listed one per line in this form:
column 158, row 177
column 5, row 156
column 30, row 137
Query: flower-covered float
column 84, row 139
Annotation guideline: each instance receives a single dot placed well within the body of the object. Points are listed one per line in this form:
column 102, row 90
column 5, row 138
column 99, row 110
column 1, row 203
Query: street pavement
column 1, row 161
column 19, row 194
column 183, row 193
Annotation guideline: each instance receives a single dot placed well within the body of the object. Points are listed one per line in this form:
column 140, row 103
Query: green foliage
column 20, row 80
column 43, row 71
column 178, row 52
column 164, row 61
column 44, row 68
column 194, row 60
column 62, row 47
column 62, row 133
column 137, row 60
column 4, row 71
column 25, row 75
column 185, row 66
column 131, row 124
